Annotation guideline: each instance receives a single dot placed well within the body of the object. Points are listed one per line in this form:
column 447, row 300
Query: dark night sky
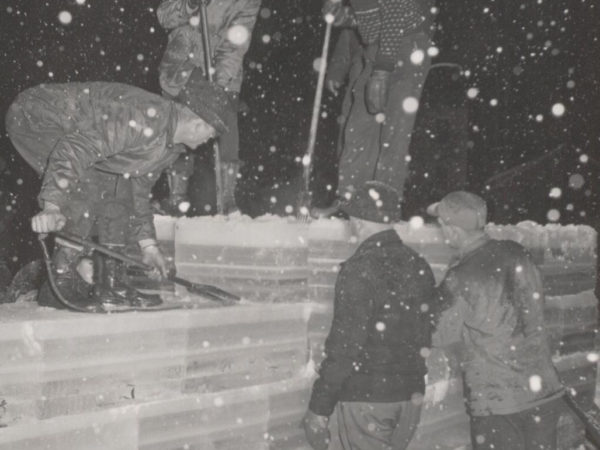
column 526, row 55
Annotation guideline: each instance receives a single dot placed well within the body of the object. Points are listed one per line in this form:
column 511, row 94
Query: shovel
column 203, row 290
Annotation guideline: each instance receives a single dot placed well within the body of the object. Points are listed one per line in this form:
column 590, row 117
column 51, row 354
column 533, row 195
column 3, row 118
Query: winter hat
column 374, row 201
column 209, row 101
column 462, row 209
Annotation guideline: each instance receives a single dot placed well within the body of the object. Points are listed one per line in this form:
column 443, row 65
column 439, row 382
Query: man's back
column 381, row 327
column 494, row 299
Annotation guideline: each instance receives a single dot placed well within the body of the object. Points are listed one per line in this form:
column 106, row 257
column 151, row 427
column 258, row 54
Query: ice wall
column 239, row 377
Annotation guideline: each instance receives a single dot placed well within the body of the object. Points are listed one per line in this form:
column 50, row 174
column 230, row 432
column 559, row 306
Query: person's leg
column 406, row 84
column 497, row 432
column 407, row 423
column 178, row 176
column 361, row 135
column 229, row 146
column 367, row 426
column 80, row 211
column 541, row 425
column 114, row 211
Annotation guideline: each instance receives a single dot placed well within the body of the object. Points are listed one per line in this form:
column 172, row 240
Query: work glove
column 342, row 15
column 48, row 220
column 376, row 91
column 316, row 430
column 152, row 256
column 333, row 86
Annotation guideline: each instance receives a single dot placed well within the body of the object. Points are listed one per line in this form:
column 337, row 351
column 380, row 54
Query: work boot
column 229, row 176
column 71, row 286
column 110, row 287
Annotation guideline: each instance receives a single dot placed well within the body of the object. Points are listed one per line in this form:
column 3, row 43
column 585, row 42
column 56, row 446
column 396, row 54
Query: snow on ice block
column 330, row 240
column 551, row 242
column 263, row 259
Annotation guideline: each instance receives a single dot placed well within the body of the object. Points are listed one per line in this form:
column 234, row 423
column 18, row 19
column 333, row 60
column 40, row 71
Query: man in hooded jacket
column 99, row 148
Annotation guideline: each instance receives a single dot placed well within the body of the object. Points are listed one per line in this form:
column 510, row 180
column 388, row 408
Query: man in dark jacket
column 373, row 374
column 492, row 306
column 100, row 148
column 230, row 26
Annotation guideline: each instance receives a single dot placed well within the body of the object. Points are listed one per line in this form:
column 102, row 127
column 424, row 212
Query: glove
column 333, row 86
column 48, row 220
column 376, row 91
column 316, row 430
column 152, row 256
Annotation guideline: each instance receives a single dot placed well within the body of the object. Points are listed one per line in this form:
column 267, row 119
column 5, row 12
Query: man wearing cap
column 230, row 26
column 491, row 306
column 99, row 148
column 373, row 373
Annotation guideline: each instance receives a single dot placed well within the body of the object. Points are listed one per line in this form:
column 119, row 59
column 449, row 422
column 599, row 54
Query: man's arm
column 174, row 13
column 450, row 312
column 229, row 56
column 142, row 223
column 347, row 337
column 339, row 65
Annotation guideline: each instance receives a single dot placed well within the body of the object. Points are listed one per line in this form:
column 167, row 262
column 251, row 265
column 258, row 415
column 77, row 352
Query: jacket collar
column 473, row 245
column 378, row 240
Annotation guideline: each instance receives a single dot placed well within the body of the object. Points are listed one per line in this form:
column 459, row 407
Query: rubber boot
column 70, row 284
column 111, row 289
column 229, row 176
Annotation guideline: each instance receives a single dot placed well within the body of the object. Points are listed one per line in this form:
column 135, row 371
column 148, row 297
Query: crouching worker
column 374, row 371
column 100, row 148
column 492, row 310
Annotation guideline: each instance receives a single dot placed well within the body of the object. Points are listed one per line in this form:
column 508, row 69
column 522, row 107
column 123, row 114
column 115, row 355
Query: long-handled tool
column 204, row 290
column 590, row 416
column 305, row 201
column 209, row 76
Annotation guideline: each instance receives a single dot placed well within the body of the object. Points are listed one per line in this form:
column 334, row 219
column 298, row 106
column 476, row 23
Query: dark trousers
column 101, row 205
column 532, row 429
column 374, row 150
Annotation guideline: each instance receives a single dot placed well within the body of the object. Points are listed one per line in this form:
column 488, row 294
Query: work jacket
column 70, row 128
column 381, row 328
column 185, row 50
column 492, row 301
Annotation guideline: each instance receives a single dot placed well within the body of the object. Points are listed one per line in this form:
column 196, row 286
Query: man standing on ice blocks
column 230, row 25
column 386, row 93
column 100, row 147
column 492, row 309
column 374, row 370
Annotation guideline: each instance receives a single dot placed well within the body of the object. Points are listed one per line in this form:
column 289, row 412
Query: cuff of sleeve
column 57, row 200
column 320, row 406
column 149, row 242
